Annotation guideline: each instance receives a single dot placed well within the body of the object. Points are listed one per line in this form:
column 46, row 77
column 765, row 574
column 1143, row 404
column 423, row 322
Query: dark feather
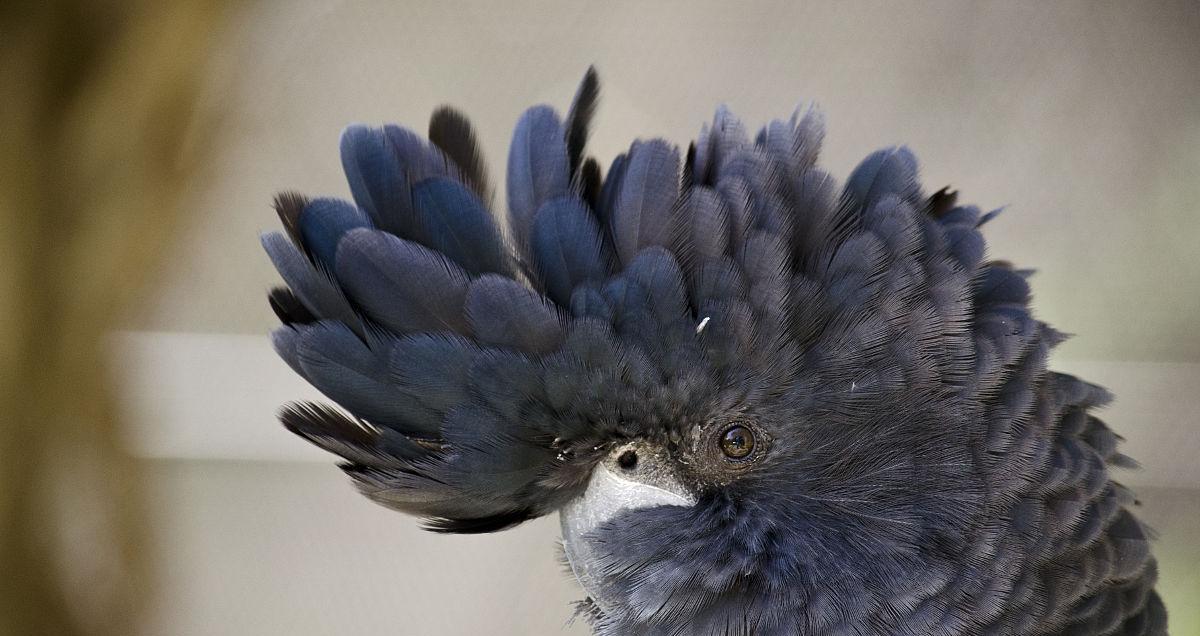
column 451, row 131
column 588, row 183
column 313, row 419
column 352, row 439
column 288, row 206
column 478, row 525
column 941, row 202
column 688, row 179
column 579, row 118
column 288, row 308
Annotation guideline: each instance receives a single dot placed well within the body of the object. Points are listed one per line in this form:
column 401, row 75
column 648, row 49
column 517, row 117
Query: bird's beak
column 632, row 477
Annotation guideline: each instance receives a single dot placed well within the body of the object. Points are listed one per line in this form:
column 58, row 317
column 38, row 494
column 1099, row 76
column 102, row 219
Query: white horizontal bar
column 208, row 396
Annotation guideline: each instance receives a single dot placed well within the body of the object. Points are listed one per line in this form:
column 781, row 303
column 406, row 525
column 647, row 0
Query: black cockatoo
column 761, row 403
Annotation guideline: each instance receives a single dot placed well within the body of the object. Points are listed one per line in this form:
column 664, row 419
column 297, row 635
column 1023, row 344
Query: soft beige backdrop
column 1083, row 118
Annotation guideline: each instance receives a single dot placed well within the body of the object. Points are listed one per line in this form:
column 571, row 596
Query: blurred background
column 146, row 487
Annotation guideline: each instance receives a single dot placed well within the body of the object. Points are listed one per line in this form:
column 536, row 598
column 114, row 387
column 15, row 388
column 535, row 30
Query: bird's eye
column 737, row 442
column 628, row 460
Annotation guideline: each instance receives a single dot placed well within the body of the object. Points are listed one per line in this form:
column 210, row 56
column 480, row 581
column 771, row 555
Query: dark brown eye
column 737, row 442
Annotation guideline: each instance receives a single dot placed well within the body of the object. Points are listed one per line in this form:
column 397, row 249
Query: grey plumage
column 538, row 169
column 451, row 220
column 885, row 172
column 640, row 214
column 567, row 248
column 378, row 180
column 390, row 280
column 322, row 223
column 351, row 373
column 315, row 290
column 918, row 469
column 700, row 233
column 504, row 313
column 610, row 188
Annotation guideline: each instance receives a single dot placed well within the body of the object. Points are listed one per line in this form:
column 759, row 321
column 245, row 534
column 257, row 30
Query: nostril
column 628, row 460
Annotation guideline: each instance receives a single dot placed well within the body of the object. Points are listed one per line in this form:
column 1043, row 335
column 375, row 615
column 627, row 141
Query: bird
column 760, row 400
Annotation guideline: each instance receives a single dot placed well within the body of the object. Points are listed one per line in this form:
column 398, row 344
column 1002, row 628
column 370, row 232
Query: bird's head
column 740, row 385
column 788, row 487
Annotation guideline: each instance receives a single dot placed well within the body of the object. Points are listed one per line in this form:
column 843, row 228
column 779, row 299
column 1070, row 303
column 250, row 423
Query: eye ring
column 737, row 442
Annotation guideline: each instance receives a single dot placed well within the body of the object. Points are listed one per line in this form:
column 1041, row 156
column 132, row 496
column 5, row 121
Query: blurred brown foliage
column 100, row 133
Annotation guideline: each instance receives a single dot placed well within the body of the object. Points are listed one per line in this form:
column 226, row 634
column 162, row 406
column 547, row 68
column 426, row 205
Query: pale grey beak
column 632, row 477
